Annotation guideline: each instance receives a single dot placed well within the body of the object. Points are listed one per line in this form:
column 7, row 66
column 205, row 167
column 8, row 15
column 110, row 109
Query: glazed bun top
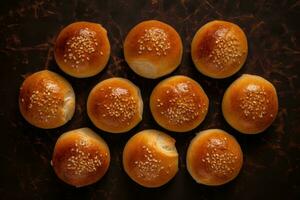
column 153, row 49
column 250, row 104
column 80, row 157
column 115, row 105
column 214, row 157
column 150, row 158
column 82, row 49
column 179, row 103
column 219, row 49
column 46, row 100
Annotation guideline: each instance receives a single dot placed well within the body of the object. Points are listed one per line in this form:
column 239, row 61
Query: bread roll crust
column 179, row 103
column 250, row 104
column 219, row 49
column 82, row 49
column 214, row 157
column 115, row 105
column 80, row 157
column 46, row 100
column 153, row 49
column 150, row 158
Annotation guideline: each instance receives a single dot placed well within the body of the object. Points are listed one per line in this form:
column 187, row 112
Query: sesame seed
column 183, row 107
column 219, row 159
column 118, row 104
column 226, row 50
column 149, row 167
column 46, row 103
column 154, row 39
column 81, row 161
column 80, row 46
column 254, row 102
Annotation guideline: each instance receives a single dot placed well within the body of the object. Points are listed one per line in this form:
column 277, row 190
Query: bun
column 115, row 105
column 250, row 104
column 46, row 100
column 214, row 157
column 150, row 158
column 179, row 104
column 219, row 49
column 153, row 49
column 80, row 157
column 82, row 49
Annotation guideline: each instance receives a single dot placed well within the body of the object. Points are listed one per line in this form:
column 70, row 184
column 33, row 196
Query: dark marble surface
column 272, row 159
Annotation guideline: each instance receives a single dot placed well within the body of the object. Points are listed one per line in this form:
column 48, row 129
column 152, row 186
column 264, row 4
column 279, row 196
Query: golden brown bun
column 82, row 49
column 150, row 158
column 250, row 104
column 214, row 157
column 153, row 49
column 219, row 49
column 80, row 157
column 179, row 104
column 46, row 100
column 115, row 105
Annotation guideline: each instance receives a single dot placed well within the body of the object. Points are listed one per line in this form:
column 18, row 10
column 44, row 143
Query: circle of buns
column 150, row 158
column 250, row 104
column 179, row 103
column 46, row 100
column 115, row 105
column 153, row 49
column 80, row 157
column 82, row 49
column 219, row 49
column 214, row 157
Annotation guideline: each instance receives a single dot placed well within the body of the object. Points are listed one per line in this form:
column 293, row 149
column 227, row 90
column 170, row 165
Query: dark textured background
column 272, row 159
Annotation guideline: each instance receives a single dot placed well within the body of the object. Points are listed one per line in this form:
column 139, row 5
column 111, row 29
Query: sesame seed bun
column 250, row 104
column 214, row 157
column 82, row 49
column 46, row 100
column 115, row 105
column 153, row 49
column 179, row 104
column 150, row 158
column 219, row 49
column 80, row 157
